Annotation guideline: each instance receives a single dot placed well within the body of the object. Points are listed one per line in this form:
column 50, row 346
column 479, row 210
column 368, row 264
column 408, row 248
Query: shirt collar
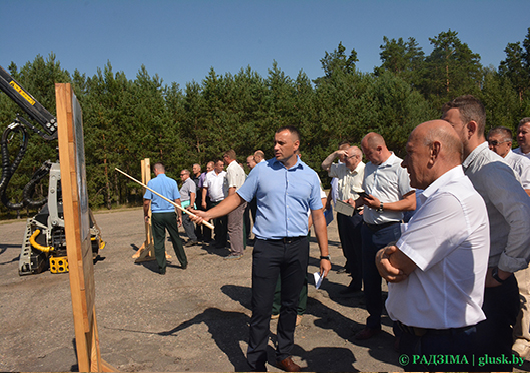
column 474, row 154
column 298, row 164
column 357, row 169
column 441, row 181
column 389, row 162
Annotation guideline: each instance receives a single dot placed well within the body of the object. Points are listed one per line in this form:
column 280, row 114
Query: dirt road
column 188, row 320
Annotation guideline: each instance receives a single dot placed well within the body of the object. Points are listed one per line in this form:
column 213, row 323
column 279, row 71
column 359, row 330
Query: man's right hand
column 200, row 216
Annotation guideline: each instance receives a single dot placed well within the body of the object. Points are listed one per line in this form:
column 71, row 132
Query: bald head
column 374, row 148
column 258, row 156
column 373, row 139
column 354, row 156
column 433, row 148
column 443, row 131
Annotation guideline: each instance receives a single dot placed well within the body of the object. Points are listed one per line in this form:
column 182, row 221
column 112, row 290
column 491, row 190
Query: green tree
column 395, row 109
column 452, row 69
column 337, row 61
column 401, row 58
column 516, row 66
column 503, row 107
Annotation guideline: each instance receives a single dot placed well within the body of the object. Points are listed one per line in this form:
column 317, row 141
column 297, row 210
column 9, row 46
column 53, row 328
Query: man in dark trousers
column 163, row 216
column 286, row 190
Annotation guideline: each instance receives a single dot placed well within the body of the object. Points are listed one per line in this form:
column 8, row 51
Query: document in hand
column 344, row 208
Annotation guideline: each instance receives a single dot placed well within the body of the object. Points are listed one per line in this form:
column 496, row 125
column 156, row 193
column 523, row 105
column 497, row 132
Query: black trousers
column 220, row 228
column 270, row 259
column 501, row 306
column 453, row 350
column 352, row 246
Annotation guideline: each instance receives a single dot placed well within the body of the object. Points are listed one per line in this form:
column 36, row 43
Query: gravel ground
column 188, row 320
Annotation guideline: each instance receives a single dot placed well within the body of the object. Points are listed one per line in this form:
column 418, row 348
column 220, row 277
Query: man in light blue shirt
column 163, row 216
column 286, row 189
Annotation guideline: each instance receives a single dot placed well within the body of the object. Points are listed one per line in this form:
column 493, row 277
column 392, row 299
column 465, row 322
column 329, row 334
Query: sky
column 181, row 40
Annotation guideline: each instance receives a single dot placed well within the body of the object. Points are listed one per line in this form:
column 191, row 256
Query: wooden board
column 147, row 251
column 77, row 228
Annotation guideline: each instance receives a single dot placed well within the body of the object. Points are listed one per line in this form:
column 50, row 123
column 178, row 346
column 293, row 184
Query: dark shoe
column 162, row 271
column 343, row 270
column 288, row 365
column 183, row 266
column 367, row 333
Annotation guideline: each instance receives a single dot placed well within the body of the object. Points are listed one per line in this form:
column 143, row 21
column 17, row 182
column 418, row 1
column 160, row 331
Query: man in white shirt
column 508, row 209
column 500, row 141
column 333, row 195
column 437, row 269
column 523, row 137
column 235, row 177
column 216, row 186
column 350, row 175
column 259, row 156
column 388, row 194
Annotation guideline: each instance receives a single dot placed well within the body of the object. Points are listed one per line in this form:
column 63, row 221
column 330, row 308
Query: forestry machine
column 44, row 243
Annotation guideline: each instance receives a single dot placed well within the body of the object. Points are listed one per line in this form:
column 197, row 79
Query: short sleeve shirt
column 165, row 186
column 388, row 182
column 348, row 181
column 448, row 239
column 235, row 176
column 187, row 187
column 284, row 198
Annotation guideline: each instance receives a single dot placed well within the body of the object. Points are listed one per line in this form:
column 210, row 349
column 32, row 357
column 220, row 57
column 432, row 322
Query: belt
column 378, row 227
column 287, row 239
column 420, row 332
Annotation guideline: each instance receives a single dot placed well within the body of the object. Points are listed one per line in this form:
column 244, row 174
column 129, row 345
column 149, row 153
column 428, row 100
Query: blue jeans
column 373, row 241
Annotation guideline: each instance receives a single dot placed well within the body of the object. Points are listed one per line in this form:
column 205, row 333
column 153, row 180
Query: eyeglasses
column 495, row 142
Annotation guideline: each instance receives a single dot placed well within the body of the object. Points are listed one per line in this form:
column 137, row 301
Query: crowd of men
column 446, row 227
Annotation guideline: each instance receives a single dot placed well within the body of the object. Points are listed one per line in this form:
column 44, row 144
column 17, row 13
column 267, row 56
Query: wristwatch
column 495, row 275
column 380, row 209
column 325, row 257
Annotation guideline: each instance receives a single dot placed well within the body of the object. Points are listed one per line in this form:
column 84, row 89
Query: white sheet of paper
column 318, row 279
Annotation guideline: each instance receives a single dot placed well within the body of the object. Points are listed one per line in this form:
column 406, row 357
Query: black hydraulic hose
column 27, row 193
column 9, row 169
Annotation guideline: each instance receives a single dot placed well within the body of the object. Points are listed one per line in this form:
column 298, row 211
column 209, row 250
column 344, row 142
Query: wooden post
column 147, row 250
column 77, row 229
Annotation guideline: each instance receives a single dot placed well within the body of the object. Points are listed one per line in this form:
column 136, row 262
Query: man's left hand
column 385, row 268
column 491, row 282
column 372, row 202
column 325, row 267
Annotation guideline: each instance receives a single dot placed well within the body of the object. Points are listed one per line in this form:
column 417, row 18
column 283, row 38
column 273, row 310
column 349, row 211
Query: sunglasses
column 495, row 142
